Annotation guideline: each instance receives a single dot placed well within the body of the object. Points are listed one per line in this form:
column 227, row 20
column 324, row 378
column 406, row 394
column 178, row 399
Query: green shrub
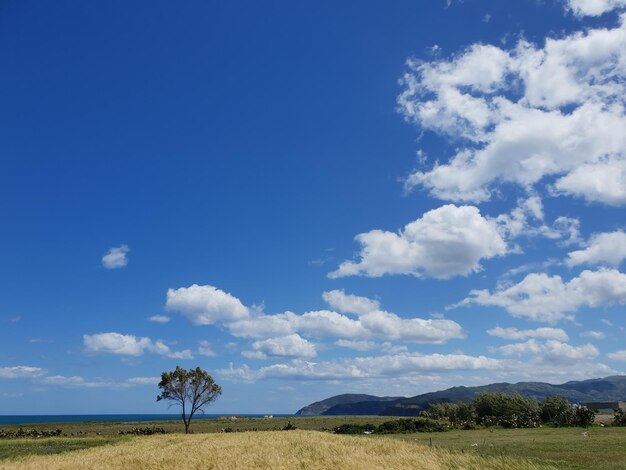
column 506, row 410
column 403, row 426
column 557, row 411
column 354, row 429
column 583, row 416
column 288, row 427
column 459, row 415
column 620, row 418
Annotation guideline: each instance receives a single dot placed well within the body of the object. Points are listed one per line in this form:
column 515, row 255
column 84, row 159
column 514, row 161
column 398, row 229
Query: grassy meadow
column 272, row 449
column 99, row 445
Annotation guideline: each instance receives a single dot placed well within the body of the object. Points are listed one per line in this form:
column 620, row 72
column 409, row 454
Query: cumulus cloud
column 618, row 355
column 205, row 305
column 348, row 303
column 129, row 345
column 444, row 242
column 527, row 219
column 159, row 318
column 594, row 7
column 521, row 115
column 21, row 372
column 552, row 351
column 76, row 381
column 116, row 257
column 390, row 326
column 144, row 380
column 602, row 248
column 546, row 298
column 374, row 323
column 286, row 346
column 539, row 333
column 364, row 367
column 318, row 324
column 604, row 182
column 205, row 349
column 593, row 334
column 358, row 345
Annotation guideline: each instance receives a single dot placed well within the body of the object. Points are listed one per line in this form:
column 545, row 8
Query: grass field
column 265, row 450
column 597, row 447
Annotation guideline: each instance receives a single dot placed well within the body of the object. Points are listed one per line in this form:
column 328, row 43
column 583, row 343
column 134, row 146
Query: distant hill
column 607, row 389
column 347, row 399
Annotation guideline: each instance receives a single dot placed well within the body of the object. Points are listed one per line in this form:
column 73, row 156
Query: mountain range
column 593, row 390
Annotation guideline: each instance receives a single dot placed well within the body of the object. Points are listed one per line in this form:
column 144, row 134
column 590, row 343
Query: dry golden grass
column 264, row 450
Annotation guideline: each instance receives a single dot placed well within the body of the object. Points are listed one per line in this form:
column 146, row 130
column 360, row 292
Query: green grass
column 313, row 423
column 602, row 447
column 14, row 448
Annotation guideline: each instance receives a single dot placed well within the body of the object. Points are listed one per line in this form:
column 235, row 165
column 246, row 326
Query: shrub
column 403, row 426
column 354, row 429
column 557, row 411
column 620, row 418
column 5, row 434
column 506, row 410
column 583, row 416
column 460, row 415
column 147, row 431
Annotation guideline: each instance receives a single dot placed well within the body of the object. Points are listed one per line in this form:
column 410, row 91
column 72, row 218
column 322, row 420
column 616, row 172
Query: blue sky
column 308, row 198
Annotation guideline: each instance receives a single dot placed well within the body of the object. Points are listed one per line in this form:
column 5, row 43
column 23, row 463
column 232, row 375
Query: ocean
column 121, row 418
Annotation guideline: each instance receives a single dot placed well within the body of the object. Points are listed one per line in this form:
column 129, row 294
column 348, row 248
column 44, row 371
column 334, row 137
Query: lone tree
column 192, row 389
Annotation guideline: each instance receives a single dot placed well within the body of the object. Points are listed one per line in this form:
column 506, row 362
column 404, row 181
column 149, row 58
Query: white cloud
column 594, row 7
column 602, row 248
column 603, row 182
column 370, row 324
column 21, row 372
column 365, row 345
column 116, row 343
column 539, row 333
column 184, row 354
column 323, row 323
column 76, row 381
column 358, row 345
column 546, row 298
column 364, row 367
column 129, row 345
column 317, row 323
column 286, row 346
column 443, row 243
column 144, row 380
column 390, row 326
column 205, row 349
column 551, row 351
column 159, row 318
column 116, row 257
column 523, row 114
column 527, row 219
column 205, row 305
column 618, row 355
column 264, row 326
column 348, row 303
column 593, row 334
column 80, row 382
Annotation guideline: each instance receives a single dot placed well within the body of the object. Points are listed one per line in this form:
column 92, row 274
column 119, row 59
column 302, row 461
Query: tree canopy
column 191, row 389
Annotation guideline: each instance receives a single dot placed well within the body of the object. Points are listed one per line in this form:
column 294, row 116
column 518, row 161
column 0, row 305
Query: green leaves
column 191, row 389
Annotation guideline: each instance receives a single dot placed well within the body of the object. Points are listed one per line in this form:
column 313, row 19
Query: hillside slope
column 604, row 389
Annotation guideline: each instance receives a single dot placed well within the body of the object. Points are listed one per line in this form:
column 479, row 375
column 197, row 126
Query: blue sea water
column 122, row 418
